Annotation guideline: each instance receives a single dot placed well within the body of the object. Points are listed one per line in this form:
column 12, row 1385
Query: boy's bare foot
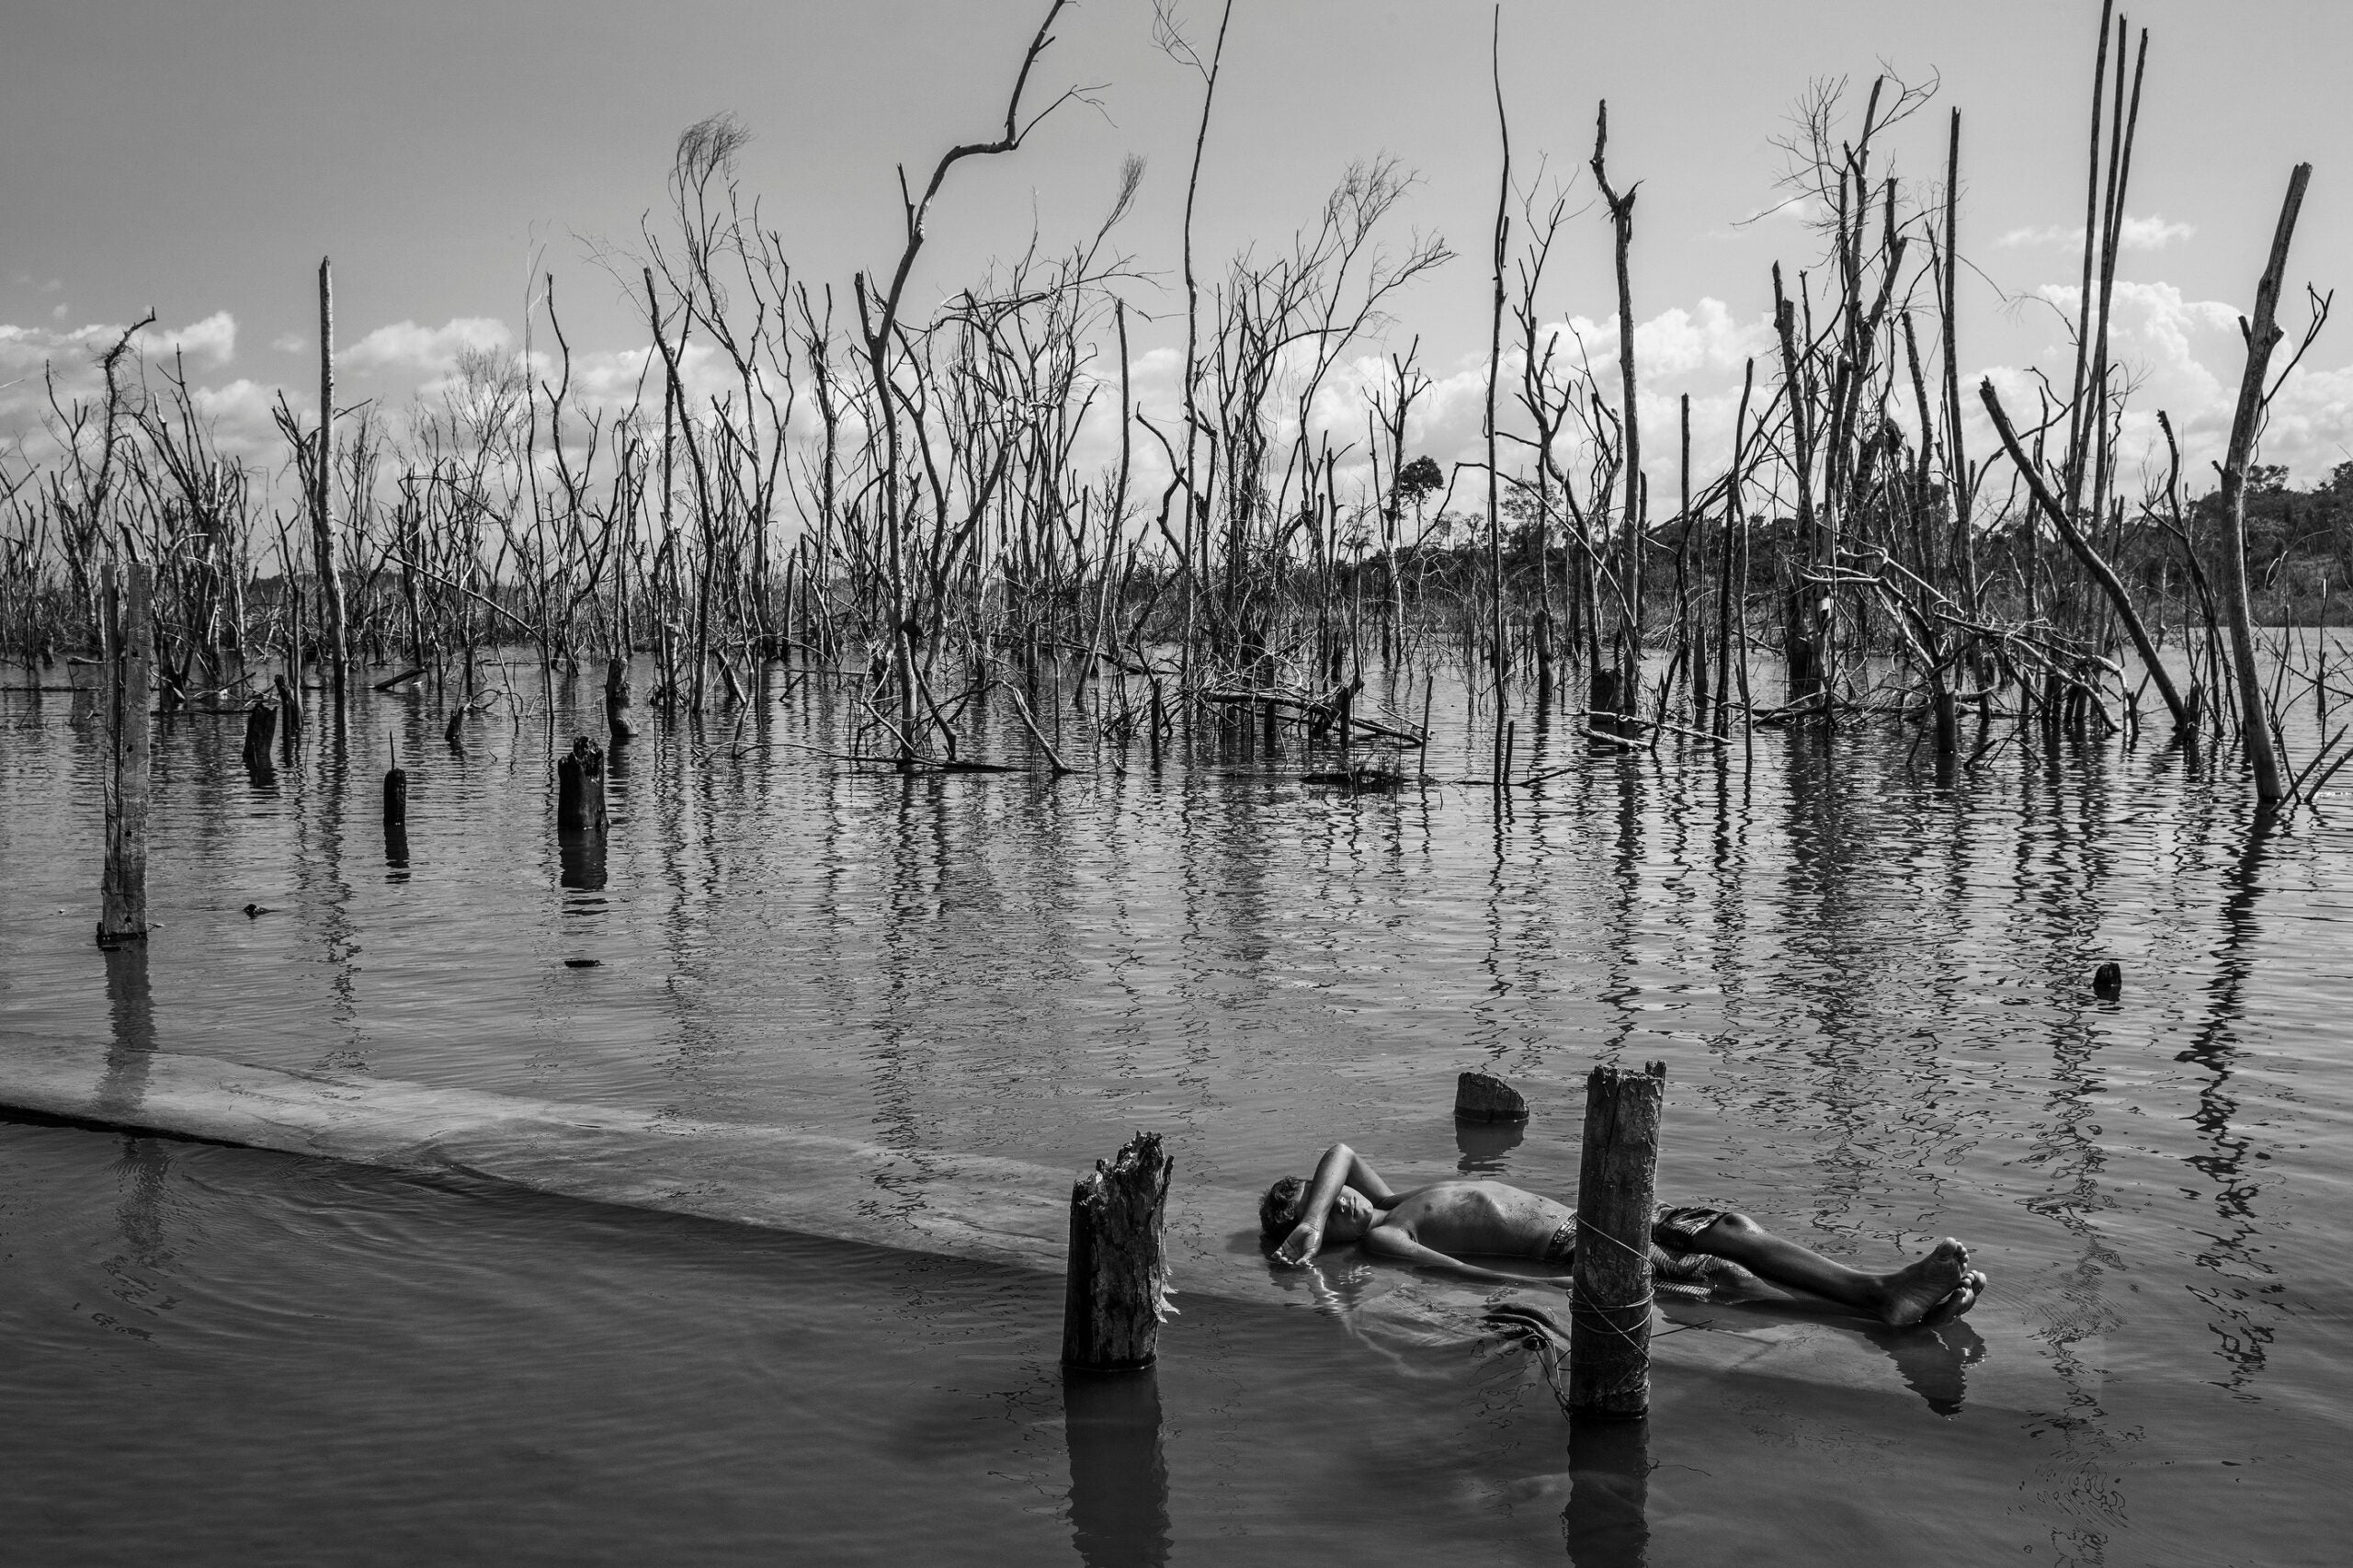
column 1937, row 1288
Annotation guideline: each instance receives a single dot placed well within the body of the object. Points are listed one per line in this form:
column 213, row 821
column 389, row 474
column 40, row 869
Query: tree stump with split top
column 1115, row 1294
column 580, row 788
column 261, row 731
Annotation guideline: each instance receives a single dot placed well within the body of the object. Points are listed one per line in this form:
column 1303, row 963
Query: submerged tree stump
column 617, row 728
column 129, row 669
column 1116, row 1292
column 1483, row 1096
column 290, row 712
column 580, row 788
column 1609, row 1322
column 395, row 795
column 261, row 731
column 395, row 811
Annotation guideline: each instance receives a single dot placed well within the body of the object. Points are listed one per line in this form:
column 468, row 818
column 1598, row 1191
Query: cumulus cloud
column 212, row 341
column 2150, row 232
column 34, row 359
column 426, row 350
column 2185, row 357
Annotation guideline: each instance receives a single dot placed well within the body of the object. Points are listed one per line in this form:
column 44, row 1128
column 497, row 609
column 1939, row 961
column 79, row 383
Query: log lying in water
column 958, row 1205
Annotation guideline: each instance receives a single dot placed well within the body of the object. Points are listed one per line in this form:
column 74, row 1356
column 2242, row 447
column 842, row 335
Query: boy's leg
column 1934, row 1289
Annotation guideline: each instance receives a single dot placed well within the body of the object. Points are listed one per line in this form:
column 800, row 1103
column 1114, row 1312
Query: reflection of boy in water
column 1347, row 1201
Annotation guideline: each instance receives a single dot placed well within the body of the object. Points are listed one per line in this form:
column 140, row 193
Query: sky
column 197, row 157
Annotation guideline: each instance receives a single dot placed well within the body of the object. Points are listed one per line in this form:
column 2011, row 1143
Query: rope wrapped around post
column 1609, row 1313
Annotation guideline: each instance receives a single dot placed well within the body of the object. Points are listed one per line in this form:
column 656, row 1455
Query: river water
column 1872, row 993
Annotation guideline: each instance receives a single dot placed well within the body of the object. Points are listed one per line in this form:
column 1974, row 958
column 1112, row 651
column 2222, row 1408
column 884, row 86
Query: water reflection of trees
column 145, row 1164
column 2239, row 1324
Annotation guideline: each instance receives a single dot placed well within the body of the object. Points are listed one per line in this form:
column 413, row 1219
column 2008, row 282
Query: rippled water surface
column 1871, row 994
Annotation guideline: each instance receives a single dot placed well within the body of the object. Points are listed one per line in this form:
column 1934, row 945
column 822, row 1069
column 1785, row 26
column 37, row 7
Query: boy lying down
column 1695, row 1247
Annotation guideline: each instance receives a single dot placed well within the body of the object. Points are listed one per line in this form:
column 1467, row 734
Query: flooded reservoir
column 880, row 1001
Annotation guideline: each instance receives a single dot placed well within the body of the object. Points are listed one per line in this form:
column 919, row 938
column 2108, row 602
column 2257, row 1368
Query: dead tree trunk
column 1621, row 230
column 1609, row 1326
column 1116, row 1292
column 130, row 662
column 2093, row 563
column 323, row 498
column 2255, row 717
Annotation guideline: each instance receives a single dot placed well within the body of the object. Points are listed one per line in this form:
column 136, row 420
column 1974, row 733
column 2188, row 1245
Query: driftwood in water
column 1610, row 1325
column 618, row 727
column 1362, row 778
column 130, row 660
column 261, row 730
column 580, row 788
column 1114, row 1293
column 1483, row 1096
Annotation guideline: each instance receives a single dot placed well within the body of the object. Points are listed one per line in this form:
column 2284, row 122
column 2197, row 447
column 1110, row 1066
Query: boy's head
column 1279, row 1210
column 1353, row 1214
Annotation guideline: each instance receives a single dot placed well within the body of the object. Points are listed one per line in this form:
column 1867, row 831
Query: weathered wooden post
column 580, row 790
column 1115, row 1293
column 261, row 730
column 1152, row 725
column 129, row 630
column 1609, row 1323
column 617, row 725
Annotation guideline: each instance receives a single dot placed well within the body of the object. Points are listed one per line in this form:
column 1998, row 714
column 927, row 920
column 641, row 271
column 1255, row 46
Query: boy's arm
column 1395, row 1241
column 1341, row 1166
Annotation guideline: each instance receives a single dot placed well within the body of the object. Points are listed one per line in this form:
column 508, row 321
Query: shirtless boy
column 1347, row 1201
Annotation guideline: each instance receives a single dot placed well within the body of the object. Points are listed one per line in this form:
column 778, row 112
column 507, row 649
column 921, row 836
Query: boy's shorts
column 1674, row 1227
